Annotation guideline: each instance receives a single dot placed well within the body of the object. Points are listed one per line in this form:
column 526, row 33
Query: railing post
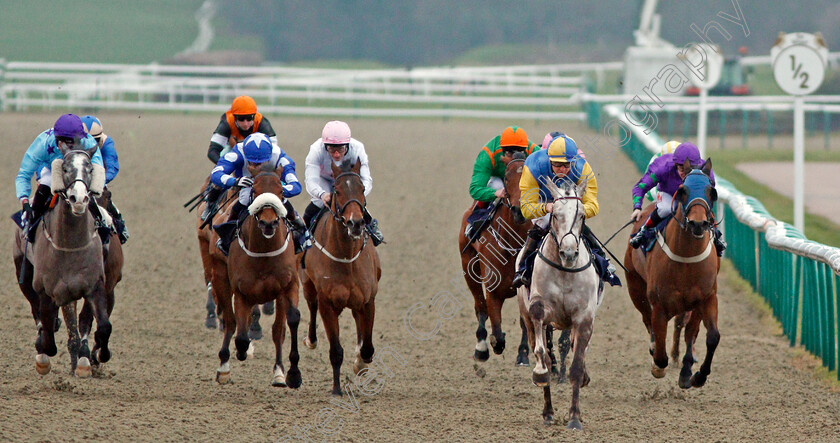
column 2, row 83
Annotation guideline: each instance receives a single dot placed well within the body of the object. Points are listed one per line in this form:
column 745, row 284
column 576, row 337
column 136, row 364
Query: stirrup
column 636, row 240
column 520, row 278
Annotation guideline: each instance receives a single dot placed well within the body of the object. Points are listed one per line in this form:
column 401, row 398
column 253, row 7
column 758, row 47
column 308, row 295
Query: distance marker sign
column 799, row 63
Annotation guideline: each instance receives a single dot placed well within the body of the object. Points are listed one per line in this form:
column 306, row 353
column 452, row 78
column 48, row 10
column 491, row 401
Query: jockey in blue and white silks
column 232, row 170
column 68, row 132
column 112, row 167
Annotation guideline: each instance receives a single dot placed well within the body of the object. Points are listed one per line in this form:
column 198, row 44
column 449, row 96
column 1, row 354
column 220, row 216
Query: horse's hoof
column 310, row 344
column 83, row 368
column 293, row 379
column 574, row 424
column 542, row 379
column 42, row 364
column 585, row 381
column 255, row 332
column 358, row 365
column 336, row 392
column 279, row 378
column 498, row 345
column 223, row 374
column 522, row 361
column 657, row 371
column 481, row 356
column 698, row 380
column 548, row 420
column 104, row 355
column 210, row 322
column 268, row 308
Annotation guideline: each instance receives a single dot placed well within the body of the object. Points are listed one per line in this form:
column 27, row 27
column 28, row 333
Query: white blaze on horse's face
column 567, row 217
column 77, row 176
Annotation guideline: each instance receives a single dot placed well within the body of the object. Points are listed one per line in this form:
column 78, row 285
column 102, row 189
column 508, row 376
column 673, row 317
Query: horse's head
column 567, row 216
column 267, row 207
column 513, row 172
column 694, row 200
column 349, row 189
column 72, row 178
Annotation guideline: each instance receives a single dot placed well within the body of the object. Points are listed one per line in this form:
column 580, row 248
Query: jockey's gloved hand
column 27, row 210
column 245, row 182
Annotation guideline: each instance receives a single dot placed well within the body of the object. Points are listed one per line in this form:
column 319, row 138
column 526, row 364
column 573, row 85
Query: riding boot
column 102, row 227
column 720, row 244
column 227, row 230
column 299, row 232
column 212, row 197
column 40, row 203
column 119, row 222
column 647, row 230
column 522, row 275
column 372, row 226
column 309, row 213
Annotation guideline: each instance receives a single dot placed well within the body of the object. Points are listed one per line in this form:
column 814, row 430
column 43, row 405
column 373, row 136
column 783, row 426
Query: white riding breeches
column 663, row 204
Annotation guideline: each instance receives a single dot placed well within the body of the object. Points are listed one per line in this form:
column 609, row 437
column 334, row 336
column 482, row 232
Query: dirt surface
column 160, row 384
column 821, row 197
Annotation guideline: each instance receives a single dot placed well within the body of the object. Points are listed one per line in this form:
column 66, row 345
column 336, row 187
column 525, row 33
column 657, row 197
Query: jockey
column 240, row 121
column 667, row 148
column 112, row 167
column 335, row 147
column 487, row 182
column 68, row 133
column 561, row 161
column 232, row 170
column 666, row 173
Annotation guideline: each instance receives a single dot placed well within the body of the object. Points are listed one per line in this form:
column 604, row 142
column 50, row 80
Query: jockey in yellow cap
column 561, row 161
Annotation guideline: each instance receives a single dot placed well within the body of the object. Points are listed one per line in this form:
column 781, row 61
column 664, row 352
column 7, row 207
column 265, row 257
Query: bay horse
column 260, row 268
column 67, row 265
column 341, row 271
column 206, row 244
column 488, row 264
column 564, row 293
column 678, row 277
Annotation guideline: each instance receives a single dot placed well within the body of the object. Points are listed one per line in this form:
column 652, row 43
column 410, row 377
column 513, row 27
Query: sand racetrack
column 160, row 384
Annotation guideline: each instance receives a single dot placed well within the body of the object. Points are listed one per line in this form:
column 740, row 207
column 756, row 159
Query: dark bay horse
column 678, row 278
column 489, row 264
column 66, row 263
column 564, row 293
column 260, row 268
column 342, row 271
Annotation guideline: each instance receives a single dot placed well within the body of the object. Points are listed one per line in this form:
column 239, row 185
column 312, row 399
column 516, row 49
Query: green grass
column 113, row 31
column 817, row 228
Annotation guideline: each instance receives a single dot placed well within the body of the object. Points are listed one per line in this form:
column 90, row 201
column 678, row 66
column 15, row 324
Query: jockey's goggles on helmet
column 335, row 148
column 244, row 118
column 65, row 140
column 560, row 164
column 507, row 150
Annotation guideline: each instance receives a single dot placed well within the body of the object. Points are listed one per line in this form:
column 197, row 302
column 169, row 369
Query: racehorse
column 564, row 293
column 488, row 264
column 206, row 244
column 679, row 276
column 342, row 271
column 66, row 265
column 260, row 268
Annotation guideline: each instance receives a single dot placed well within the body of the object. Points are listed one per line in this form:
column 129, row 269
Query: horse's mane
column 346, row 165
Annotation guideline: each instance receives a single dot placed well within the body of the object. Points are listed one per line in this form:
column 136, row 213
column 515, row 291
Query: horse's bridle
column 571, row 228
column 683, row 221
column 338, row 213
column 63, row 192
column 506, row 201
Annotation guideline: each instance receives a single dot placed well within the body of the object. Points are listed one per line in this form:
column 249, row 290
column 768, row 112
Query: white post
column 799, row 163
column 701, row 122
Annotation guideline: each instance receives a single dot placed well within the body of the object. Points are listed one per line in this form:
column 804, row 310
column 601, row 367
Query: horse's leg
column 577, row 372
column 223, row 296
column 210, row 305
column 85, row 326
column 564, row 344
column 679, row 324
column 103, row 323
column 709, row 311
column 79, row 364
column 659, row 323
column 549, row 344
column 365, row 352
column 255, row 330
column 26, row 289
column 45, row 344
column 330, row 318
column 311, row 339
column 243, row 314
column 482, row 351
column 522, row 352
column 278, row 334
column 637, row 288
column 691, row 330
column 494, row 310
column 541, row 375
column 207, row 265
column 293, row 379
column 548, row 409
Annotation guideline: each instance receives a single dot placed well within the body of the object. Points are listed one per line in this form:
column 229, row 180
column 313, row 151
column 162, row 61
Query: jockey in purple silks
column 667, row 174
